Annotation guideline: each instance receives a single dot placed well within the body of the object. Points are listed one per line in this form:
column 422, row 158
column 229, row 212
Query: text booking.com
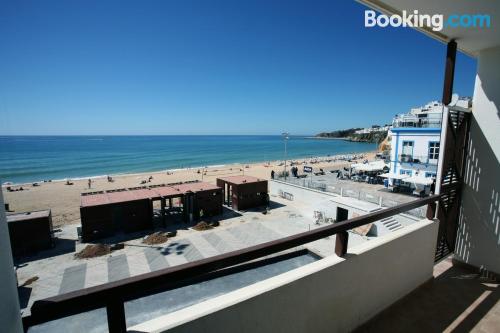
column 436, row 21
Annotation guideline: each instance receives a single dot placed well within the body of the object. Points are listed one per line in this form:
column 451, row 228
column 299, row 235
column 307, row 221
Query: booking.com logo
column 437, row 21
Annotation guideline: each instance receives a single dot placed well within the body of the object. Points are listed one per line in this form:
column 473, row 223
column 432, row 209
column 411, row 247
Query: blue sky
column 210, row 67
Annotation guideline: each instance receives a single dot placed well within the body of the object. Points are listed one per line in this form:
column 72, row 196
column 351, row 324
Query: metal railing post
column 115, row 311
column 449, row 71
column 431, row 211
column 341, row 243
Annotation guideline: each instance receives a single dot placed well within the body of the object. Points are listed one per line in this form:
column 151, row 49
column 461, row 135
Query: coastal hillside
column 374, row 137
column 351, row 135
column 385, row 145
column 338, row 134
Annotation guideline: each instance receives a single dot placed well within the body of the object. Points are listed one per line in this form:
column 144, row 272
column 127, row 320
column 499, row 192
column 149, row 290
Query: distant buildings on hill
column 373, row 129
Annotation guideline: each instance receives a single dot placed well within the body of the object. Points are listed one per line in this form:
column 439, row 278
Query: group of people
column 294, row 170
column 148, row 181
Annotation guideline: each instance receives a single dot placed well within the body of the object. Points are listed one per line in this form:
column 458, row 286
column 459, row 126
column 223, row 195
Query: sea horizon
column 311, row 136
column 35, row 158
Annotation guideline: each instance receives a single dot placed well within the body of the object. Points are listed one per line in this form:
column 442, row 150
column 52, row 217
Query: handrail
column 417, row 159
column 112, row 295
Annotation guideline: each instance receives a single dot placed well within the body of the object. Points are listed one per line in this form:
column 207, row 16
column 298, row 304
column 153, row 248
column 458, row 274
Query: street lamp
column 285, row 136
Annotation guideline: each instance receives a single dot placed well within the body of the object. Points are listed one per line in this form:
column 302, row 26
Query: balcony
column 412, row 159
column 459, row 299
column 300, row 293
column 411, row 121
column 335, row 293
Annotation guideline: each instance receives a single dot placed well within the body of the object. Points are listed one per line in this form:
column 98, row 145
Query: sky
column 210, row 67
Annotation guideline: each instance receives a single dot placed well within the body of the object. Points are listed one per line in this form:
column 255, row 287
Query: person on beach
column 90, row 183
column 272, row 174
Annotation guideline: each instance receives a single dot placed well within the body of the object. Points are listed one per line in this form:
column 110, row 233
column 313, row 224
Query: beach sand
column 64, row 200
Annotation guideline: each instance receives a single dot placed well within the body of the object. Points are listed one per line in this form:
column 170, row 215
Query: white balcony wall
column 331, row 295
column 10, row 316
column 478, row 239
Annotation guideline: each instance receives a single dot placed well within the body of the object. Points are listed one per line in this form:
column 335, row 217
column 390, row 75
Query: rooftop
column 28, row 216
column 141, row 193
column 195, row 187
column 241, row 179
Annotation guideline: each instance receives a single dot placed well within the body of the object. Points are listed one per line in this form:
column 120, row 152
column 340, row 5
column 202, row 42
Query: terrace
column 236, row 232
column 247, row 241
column 430, row 120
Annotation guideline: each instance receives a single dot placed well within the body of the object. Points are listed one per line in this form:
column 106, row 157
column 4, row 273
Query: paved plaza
column 62, row 273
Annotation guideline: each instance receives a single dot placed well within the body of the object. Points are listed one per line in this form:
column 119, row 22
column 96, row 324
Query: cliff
column 375, row 137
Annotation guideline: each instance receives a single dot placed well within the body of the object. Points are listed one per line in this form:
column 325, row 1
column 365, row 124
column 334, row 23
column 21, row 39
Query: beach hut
column 200, row 200
column 244, row 192
column 102, row 214
column 30, row 232
column 106, row 213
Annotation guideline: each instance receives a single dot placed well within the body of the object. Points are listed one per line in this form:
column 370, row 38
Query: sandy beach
column 64, row 200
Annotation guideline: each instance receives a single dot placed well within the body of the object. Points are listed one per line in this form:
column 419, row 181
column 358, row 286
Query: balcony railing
column 406, row 158
column 113, row 295
column 416, row 122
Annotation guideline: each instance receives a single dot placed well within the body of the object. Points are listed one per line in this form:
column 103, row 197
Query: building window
column 433, row 150
column 408, row 148
column 405, row 172
column 430, row 174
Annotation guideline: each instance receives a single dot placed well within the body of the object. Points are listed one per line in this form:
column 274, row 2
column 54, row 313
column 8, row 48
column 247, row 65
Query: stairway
column 390, row 223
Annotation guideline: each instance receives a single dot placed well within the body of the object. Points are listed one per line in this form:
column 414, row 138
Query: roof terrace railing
column 399, row 122
column 415, row 159
column 113, row 295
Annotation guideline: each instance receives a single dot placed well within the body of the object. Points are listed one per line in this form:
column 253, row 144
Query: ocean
column 36, row 158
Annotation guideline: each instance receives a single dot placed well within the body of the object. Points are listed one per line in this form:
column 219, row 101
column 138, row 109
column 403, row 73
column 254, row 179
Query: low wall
column 313, row 200
column 307, row 196
column 331, row 295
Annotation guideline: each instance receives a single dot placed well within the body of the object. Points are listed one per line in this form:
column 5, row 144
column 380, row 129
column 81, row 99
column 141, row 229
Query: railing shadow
column 455, row 301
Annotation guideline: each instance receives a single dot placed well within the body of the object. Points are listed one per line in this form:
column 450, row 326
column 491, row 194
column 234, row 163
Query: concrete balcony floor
column 457, row 300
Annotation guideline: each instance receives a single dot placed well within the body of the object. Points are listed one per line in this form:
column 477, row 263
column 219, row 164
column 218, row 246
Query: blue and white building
column 415, row 143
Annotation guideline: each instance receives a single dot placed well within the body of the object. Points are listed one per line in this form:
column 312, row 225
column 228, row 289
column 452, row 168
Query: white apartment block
column 416, row 140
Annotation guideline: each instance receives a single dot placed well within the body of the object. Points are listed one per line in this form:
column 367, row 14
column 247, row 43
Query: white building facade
column 416, row 140
column 415, row 151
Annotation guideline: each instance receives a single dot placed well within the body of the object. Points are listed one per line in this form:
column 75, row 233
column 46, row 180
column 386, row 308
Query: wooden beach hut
column 105, row 213
column 244, row 192
column 30, row 232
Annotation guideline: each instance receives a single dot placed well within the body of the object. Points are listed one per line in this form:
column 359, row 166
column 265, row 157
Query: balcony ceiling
column 469, row 40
